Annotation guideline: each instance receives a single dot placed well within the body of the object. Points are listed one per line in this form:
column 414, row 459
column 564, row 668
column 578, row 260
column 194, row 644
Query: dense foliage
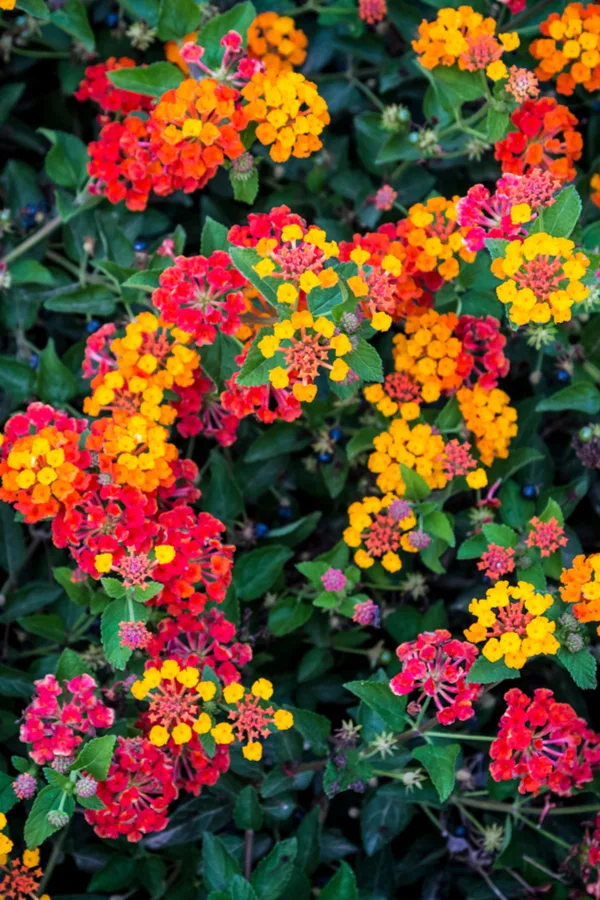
column 300, row 438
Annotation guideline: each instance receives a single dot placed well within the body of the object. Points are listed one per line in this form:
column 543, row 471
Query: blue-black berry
column 529, row 491
column 261, row 530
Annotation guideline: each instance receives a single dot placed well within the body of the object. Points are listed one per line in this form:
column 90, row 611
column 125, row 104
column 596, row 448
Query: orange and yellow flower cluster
column 580, row 585
column 276, row 41
column 570, row 48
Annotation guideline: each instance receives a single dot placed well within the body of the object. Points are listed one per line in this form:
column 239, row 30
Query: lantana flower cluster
column 570, row 48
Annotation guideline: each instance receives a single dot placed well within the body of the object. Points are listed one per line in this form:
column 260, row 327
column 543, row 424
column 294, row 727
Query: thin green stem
column 367, row 92
column 547, row 834
column 455, row 736
column 472, row 819
column 430, row 816
column 34, row 239
column 51, row 864
column 40, row 54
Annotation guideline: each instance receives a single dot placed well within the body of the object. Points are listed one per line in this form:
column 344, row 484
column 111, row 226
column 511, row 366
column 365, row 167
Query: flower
column 366, row 612
column 372, row 11
column 385, row 198
column 334, row 580
column 545, row 138
column 483, row 214
column 289, row 111
column 436, row 240
column 251, row 720
column 56, row 727
column 457, row 459
column 580, row 585
column 174, row 695
column 397, row 389
column 541, row 278
column 96, row 86
column 477, row 479
column 522, row 84
column 20, row 877
column 490, row 419
column 461, row 35
column 483, row 341
column 437, row 665
column 543, row 743
column 497, row 561
column 276, row 41
column 546, row 536
column 41, row 463
column 136, row 792
column 569, row 48
column 133, row 635
column 518, row 630
column 25, row 786
column 200, row 294
column 377, row 533
column 420, row 448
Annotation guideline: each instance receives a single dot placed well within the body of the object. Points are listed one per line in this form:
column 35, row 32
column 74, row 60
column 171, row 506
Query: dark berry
column 111, row 20
column 325, row 457
column 460, row 831
column 34, row 360
column 261, row 530
column 563, row 376
column 139, row 246
column 529, row 491
column 92, row 326
column 336, row 434
column 285, row 512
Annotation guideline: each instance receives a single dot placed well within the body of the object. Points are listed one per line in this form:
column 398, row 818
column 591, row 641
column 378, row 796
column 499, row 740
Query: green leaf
column 280, row 438
column 218, row 865
column 560, row 219
column 272, row 874
column 295, row 532
column 485, row 672
column 55, row 383
column 35, row 8
column 17, row 379
column 309, row 839
column 73, row 18
column 257, row 571
column 239, row 19
column 66, row 161
column 552, row 511
column 37, row 826
column 70, row 665
column 366, row 362
column 240, row 889
column 116, row 612
column 517, row 459
column 8, row 798
column 501, row 535
column 244, row 190
column 248, row 813
column 416, row 487
column 440, row 763
column 313, row 728
column 146, row 280
column 152, row 80
column 176, row 18
column 30, row 271
column 113, row 587
column 362, row 440
column 288, row 615
column 95, row 757
column 466, row 85
column 496, row 246
column 214, row 237
column 12, row 544
column 244, row 259
column 580, row 397
column 49, row 627
column 10, row 95
column 437, row 524
column 581, row 666
column 222, row 497
column 497, row 124
column 150, row 590
column 342, row 886
column 384, row 817
column 93, row 299
column 381, row 700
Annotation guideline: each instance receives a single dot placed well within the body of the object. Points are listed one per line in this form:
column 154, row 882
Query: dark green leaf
column 73, row 18
column 365, row 362
column 218, row 865
column 37, row 826
column 381, row 700
column 342, row 886
column 560, row 219
column 485, row 672
column 55, row 383
column 177, row 18
column 384, row 817
column 272, row 874
column 440, row 763
column 153, row 80
column 257, row 571
column 95, row 757
column 248, row 814
column 416, row 486
column 581, row 666
column 581, row 397
column 93, row 299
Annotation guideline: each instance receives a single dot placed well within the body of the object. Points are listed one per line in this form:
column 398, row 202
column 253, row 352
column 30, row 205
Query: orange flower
column 570, row 48
column 580, row 585
column 172, row 50
column 435, row 238
column 290, row 112
column 276, row 41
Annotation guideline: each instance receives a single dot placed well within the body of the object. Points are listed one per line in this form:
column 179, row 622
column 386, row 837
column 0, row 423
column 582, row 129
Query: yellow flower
column 252, row 751
column 287, row 293
column 381, row 321
column 207, row 690
column 6, row 844
column 520, row 213
column 305, row 393
column 170, row 669
column 262, row 688
column 268, row 345
column 264, row 267
column 31, row 858
column 325, row 327
column 103, row 562
column 360, row 256
column 308, row 280
column 496, row 70
column 182, row 733
column 283, row 720
column 165, row 553
column 158, row 736
column 233, row 692
column 279, row 377
column 363, row 560
column 339, row 370
column 223, row 733
column 477, row 479
column 203, row 724
column 510, row 40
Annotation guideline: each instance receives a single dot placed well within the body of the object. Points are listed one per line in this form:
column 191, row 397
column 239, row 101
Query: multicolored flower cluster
column 437, row 665
column 542, row 278
column 379, row 527
column 21, row 877
column 543, row 743
column 570, row 48
column 580, row 585
column 511, row 622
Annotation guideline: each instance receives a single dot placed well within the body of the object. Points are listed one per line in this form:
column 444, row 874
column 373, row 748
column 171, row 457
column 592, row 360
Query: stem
column 460, row 737
column 367, row 92
column 494, row 806
column 56, row 851
column 40, row 54
column 34, row 239
column 542, row 831
column 248, row 847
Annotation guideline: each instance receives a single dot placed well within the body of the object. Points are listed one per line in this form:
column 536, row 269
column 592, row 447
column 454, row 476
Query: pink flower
column 385, row 197
column 191, row 53
column 497, row 561
column 334, row 580
column 546, row 536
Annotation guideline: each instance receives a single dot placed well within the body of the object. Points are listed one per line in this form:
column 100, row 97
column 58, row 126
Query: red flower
column 546, row 536
column 136, row 793
column 544, row 744
column 97, row 87
column 437, row 664
column 199, row 294
column 265, row 402
column 56, row 728
column 497, row 561
column 200, row 411
column 482, row 339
